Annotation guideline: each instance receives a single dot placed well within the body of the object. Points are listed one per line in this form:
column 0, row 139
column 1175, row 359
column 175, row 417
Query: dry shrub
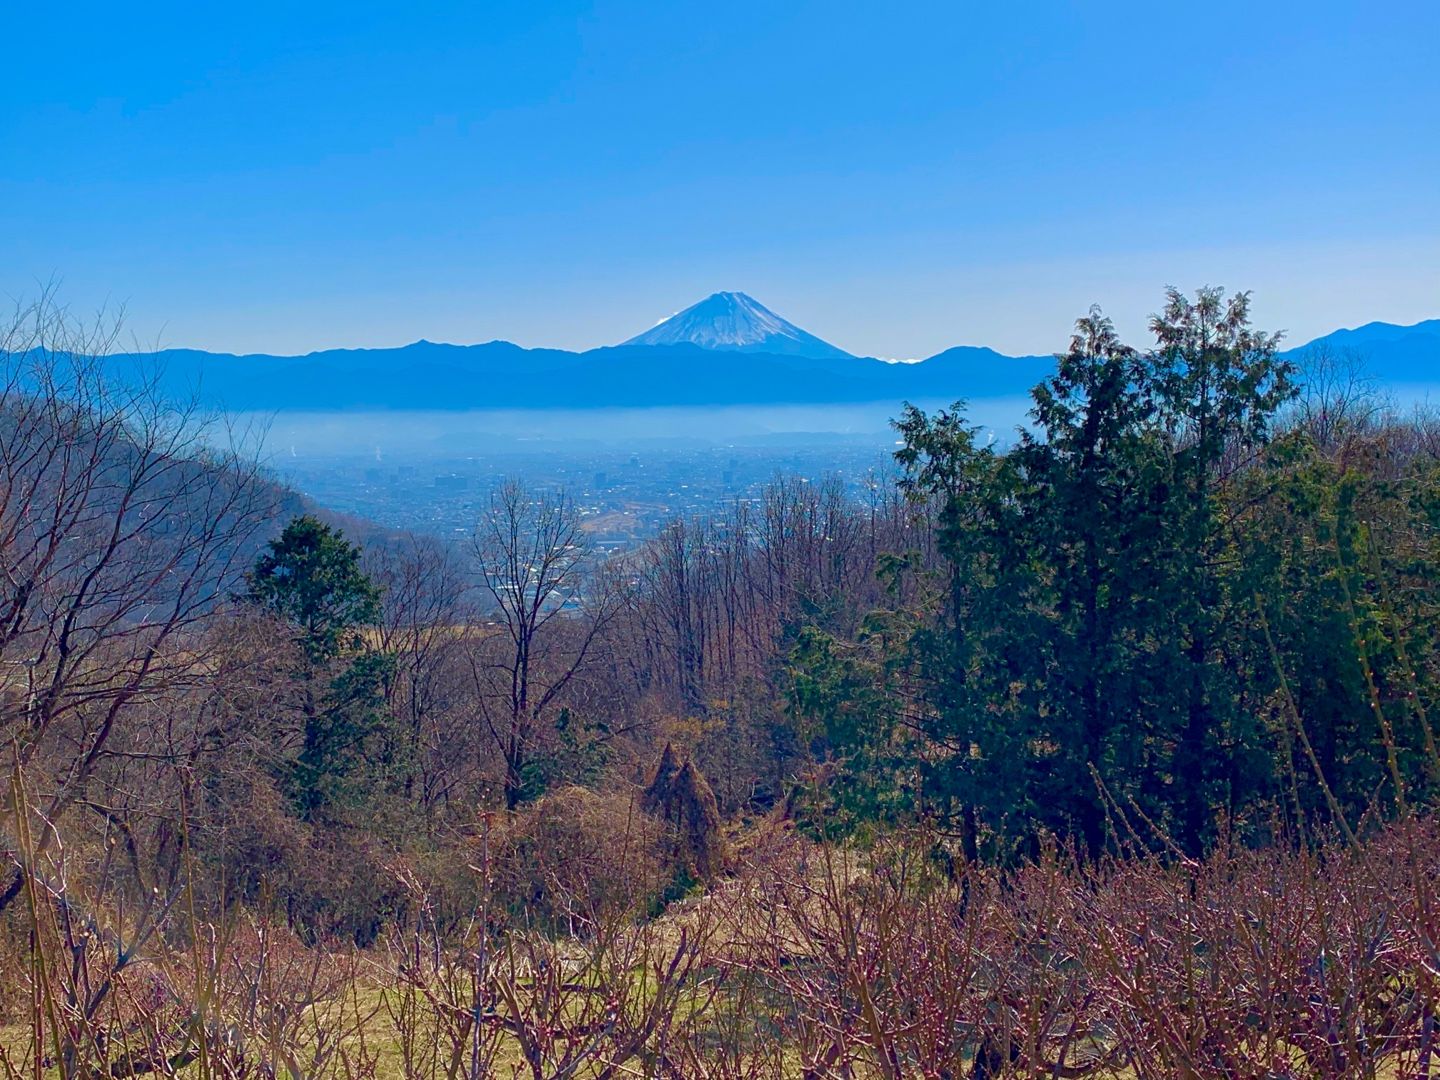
column 811, row 960
column 680, row 796
column 14, row 947
column 326, row 881
column 574, row 858
column 344, row 886
column 1317, row 963
column 1263, row 965
column 660, row 790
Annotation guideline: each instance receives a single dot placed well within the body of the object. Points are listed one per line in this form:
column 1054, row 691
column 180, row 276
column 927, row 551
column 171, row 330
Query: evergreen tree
column 1337, row 561
column 1082, row 658
column 1219, row 385
column 311, row 578
column 1091, row 515
column 970, row 767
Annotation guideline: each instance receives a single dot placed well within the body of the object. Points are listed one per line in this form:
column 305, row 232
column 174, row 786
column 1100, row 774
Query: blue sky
column 896, row 178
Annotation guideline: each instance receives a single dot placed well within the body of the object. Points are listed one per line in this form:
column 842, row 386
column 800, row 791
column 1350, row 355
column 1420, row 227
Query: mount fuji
column 736, row 322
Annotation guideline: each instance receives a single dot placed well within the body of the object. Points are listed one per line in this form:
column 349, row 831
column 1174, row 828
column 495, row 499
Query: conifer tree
column 311, row 578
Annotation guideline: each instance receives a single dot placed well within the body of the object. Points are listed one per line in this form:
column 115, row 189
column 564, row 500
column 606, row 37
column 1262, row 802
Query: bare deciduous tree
column 125, row 522
column 550, row 606
column 1338, row 399
column 423, row 611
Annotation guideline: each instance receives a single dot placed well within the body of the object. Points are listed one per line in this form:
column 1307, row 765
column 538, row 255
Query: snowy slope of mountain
column 739, row 323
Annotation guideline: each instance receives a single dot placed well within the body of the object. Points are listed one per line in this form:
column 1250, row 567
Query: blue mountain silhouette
column 726, row 350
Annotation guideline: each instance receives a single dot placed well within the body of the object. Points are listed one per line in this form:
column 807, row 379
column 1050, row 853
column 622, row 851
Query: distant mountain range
column 727, row 350
column 1391, row 354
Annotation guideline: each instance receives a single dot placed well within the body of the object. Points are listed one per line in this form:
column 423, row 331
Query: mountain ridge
column 500, row 374
column 1389, row 352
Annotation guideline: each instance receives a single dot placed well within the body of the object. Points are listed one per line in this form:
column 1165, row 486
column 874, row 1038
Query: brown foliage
column 680, row 796
column 574, row 859
column 814, row 961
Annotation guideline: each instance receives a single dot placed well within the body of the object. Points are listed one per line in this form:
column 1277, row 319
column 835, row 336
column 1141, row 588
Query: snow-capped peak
column 737, row 322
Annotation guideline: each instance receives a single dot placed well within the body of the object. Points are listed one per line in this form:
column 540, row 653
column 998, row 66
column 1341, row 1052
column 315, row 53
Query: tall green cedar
column 1091, row 515
column 969, row 767
column 311, row 578
column 1219, row 385
column 1082, row 664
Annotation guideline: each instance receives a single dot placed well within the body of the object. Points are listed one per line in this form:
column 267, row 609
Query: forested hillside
column 1109, row 754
